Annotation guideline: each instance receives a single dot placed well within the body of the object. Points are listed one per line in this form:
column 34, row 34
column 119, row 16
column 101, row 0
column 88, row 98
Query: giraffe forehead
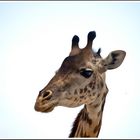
column 75, row 63
column 72, row 63
column 80, row 59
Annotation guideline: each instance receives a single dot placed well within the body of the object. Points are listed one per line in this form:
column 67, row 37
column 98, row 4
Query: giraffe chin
column 49, row 109
column 43, row 108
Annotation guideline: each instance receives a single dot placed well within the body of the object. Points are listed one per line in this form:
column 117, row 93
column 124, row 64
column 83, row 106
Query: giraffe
column 80, row 80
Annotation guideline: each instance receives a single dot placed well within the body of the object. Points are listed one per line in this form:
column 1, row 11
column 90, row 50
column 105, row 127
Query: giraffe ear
column 114, row 59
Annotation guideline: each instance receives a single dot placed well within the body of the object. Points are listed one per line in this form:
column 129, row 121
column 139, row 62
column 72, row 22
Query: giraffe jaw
column 49, row 109
column 44, row 107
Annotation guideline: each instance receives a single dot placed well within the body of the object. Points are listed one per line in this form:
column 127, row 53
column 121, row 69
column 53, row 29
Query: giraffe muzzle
column 44, row 102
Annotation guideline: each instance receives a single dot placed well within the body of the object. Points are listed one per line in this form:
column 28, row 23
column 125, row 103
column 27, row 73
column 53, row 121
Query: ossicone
column 75, row 41
column 75, row 45
column 91, row 36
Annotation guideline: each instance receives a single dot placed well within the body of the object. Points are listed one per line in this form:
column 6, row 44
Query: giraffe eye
column 86, row 72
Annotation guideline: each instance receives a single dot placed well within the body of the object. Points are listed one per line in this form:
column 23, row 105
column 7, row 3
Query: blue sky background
column 35, row 37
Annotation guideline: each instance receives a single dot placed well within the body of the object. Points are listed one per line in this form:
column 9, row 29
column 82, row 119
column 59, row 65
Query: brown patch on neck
column 85, row 89
column 102, row 84
column 97, row 128
column 81, row 91
column 98, row 95
column 75, row 92
column 96, row 105
column 81, row 96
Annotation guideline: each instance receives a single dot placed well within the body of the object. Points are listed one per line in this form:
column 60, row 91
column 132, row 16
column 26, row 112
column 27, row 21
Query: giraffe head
column 80, row 78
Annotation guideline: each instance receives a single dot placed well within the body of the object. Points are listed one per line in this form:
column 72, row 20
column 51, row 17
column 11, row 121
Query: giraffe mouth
column 49, row 109
column 44, row 108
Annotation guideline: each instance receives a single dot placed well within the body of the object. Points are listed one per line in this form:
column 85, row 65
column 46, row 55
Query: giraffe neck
column 89, row 119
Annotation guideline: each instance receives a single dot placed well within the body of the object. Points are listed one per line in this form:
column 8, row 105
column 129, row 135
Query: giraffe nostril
column 47, row 95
